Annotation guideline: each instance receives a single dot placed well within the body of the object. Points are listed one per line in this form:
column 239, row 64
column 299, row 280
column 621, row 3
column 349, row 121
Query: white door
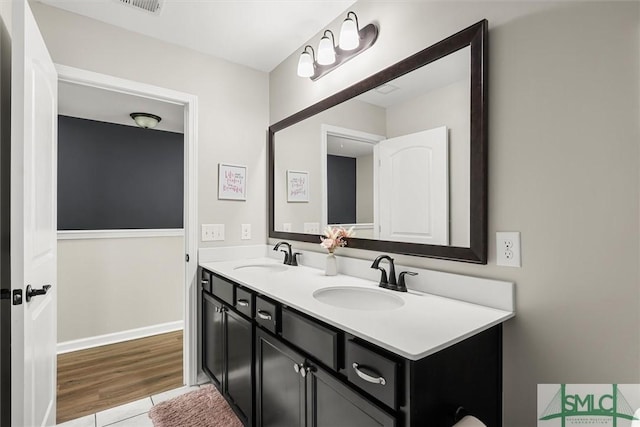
column 33, row 223
column 413, row 191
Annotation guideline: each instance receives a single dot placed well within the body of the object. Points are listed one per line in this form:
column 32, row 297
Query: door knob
column 35, row 292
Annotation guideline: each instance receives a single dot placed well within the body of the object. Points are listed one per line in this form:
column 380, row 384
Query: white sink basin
column 263, row 267
column 358, row 298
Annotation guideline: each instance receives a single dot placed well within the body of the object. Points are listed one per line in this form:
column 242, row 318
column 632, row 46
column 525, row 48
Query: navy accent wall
column 114, row 176
column 341, row 189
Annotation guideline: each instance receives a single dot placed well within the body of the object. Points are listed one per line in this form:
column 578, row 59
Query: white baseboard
column 131, row 334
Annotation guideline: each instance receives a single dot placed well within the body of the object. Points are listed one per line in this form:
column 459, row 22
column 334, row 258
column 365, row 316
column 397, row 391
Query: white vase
column 331, row 266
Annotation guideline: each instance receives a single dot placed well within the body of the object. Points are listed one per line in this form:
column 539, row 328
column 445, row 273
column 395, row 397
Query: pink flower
column 328, row 244
column 335, row 237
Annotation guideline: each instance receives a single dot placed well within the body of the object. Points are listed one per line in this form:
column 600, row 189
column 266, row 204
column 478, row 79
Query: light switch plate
column 218, row 232
column 207, row 232
column 245, row 232
column 312, row 227
column 508, row 248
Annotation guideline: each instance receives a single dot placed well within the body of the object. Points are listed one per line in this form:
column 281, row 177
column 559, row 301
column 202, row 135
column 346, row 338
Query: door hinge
column 186, row 258
column 17, row 297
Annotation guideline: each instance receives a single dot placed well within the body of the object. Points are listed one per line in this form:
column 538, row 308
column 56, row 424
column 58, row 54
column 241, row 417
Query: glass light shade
column 305, row 65
column 349, row 37
column 146, row 120
column 326, row 51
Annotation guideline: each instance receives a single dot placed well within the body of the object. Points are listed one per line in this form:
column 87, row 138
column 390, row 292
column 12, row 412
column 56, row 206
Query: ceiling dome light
column 146, row 120
column 349, row 33
column 326, row 49
column 305, row 63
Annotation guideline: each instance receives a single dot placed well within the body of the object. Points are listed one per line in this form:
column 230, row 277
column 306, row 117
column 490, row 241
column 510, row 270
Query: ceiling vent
column 151, row 6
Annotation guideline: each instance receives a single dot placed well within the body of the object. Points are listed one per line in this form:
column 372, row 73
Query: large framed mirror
column 400, row 156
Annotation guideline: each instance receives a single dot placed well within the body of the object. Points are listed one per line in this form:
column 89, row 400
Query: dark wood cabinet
column 239, row 358
column 294, row 391
column 280, row 389
column 212, row 338
column 279, row 367
column 227, row 357
column 331, row 403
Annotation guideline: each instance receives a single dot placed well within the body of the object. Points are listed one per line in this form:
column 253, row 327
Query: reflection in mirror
column 401, row 156
column 392, row 162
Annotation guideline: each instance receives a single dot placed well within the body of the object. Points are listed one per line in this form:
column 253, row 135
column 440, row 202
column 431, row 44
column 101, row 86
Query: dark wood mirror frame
column 474, row 36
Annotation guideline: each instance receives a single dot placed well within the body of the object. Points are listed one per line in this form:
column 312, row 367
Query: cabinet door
column 213, row 339
column 330, row 403
column 239, row 363
column 280, row 389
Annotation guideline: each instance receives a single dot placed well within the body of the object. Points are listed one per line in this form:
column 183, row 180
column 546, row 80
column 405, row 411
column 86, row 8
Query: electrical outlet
column 286, row 227
column 218, row 231
column 508, row 248
column 246, row 232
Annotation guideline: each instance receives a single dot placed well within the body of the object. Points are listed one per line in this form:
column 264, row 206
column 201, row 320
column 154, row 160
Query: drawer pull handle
column 368, row 378
column 204, row 282
column 243, row 303
column 264, row 315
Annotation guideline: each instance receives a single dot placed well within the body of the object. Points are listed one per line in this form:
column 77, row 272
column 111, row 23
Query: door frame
column 330, row 130
column 190, row 102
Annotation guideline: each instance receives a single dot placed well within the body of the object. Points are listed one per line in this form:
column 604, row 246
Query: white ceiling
column 348, row 147
column 445, row 71
column 257, row 33
column 91, row 103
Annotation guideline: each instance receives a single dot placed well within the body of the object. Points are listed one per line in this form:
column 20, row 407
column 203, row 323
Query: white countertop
column 425, row 324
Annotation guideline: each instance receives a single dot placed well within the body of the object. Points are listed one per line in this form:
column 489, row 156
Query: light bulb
column 305, row 65
column 349, row 37
column 326, row 51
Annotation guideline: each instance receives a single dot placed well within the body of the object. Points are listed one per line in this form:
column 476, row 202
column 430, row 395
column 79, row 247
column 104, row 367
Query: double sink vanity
column 290, row 346
column 287, row 345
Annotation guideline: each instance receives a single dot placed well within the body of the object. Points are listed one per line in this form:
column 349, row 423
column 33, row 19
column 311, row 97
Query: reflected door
column 413, row 191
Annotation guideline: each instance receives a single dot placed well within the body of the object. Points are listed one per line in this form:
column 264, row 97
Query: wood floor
column 103, row 377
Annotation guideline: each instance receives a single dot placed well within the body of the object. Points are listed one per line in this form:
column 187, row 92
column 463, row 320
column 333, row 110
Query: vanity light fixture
column 326, row 49
column 306, row 63
column 146, row 120
column 353, row 41
column 349, row 37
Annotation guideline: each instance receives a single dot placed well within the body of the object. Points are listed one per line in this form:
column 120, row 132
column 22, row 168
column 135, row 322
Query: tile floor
column 132, row 414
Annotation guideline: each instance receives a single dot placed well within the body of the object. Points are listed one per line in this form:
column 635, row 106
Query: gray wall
column 563, row 170
column 232, row 123
column 298, row 148
column 232, row 103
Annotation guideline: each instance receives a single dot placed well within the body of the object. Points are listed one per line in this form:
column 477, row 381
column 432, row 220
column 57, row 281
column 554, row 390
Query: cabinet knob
column 305, row 369
column 296, row 368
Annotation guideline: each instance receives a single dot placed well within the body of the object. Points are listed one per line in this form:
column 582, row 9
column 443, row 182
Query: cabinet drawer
column 267, row 314
column 244, row 302
column 318, row 340
column 373, row 372
column 222, row 288
column 205, row 280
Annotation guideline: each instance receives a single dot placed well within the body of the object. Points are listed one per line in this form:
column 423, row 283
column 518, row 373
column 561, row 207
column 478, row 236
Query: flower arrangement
column 335, row 237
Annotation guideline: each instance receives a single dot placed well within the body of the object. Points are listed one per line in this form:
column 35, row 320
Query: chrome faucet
column 390, row 282
column 289, row 258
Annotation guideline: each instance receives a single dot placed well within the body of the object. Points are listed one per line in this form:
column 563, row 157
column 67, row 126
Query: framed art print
column 232, row 182
column 297, row 186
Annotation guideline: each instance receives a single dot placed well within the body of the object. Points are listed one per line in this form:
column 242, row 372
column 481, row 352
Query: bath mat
column 200, row 408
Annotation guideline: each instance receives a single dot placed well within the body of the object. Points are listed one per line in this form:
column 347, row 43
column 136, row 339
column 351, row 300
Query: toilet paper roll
column 469, row 421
